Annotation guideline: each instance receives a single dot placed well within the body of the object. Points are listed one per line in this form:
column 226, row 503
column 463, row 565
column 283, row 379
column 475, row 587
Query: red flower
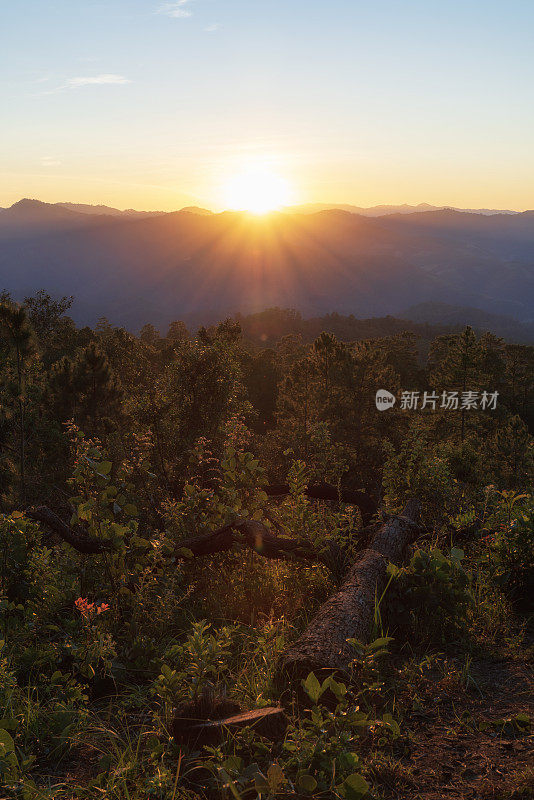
column 87, row 609
column 84, row 606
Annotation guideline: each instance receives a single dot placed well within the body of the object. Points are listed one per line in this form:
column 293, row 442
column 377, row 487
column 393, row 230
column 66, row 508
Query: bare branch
column 257, row 537
column 250, row 533
column 76, row 539
column 325, row 491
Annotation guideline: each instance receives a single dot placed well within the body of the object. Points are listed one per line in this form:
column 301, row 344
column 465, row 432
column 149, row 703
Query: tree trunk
column 348, row 614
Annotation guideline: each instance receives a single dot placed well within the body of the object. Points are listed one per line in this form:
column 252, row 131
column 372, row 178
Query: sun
column 257, row 190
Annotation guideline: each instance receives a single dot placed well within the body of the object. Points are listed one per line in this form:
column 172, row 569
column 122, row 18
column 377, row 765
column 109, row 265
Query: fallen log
column 348, row 614
column 325, row 491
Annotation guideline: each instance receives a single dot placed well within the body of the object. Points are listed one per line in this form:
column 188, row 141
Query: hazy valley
column 134, row 267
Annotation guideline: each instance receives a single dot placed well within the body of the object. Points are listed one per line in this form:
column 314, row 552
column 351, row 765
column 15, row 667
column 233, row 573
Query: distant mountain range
column 383, row 211
column 83, row 208
column 443, row 314
column 137, row 267
column 305, row 208
column 100, row 210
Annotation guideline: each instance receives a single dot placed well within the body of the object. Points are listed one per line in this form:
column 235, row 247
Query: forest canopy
column 175, row 508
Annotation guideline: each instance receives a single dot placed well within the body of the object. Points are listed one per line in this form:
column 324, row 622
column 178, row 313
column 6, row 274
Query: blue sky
column 156, row 105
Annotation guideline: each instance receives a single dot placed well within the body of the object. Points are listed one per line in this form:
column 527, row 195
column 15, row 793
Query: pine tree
column 513, row 455
column 456, row 364
column 98, row 389
column 519, row 382
column 17, row 349
column 46, row 315
column 62, row 391
column 177, row 332
column 326, row 349
column 329, row 394
column 149, row 335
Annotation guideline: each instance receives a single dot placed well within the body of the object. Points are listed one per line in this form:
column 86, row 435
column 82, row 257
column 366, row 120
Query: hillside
column 225, row 565
column 460, row 316
column 139, row 269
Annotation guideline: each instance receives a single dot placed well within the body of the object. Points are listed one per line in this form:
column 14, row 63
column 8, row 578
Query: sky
column 156, row 105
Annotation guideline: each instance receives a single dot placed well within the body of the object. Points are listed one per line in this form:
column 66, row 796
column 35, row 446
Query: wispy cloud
column 97, row 80
column 178, row 9
column 50, row 161
column 212, row 28
column 105, row 79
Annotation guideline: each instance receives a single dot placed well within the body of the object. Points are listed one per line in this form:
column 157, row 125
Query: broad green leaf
column 378, row 643
column 233, row 764
column 166, row 671
column 6, row 741
column 355, row 787
column 312, row 687
column 7, row 755
column 104, row 468
column 307, row 783
column 339, row 690
column 275, row 777
column 137, row 541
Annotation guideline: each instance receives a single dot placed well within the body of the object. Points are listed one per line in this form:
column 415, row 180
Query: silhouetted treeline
column 267, row 327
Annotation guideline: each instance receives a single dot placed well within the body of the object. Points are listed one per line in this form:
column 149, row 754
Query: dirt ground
column 458, row 747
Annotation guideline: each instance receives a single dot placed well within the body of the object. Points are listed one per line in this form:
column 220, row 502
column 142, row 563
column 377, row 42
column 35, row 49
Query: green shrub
column 512, row 546
column 428, row 599
column 418, row 470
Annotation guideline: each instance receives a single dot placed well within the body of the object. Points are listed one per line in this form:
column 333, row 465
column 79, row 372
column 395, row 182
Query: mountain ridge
column 155, row 268
column 304, row 208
